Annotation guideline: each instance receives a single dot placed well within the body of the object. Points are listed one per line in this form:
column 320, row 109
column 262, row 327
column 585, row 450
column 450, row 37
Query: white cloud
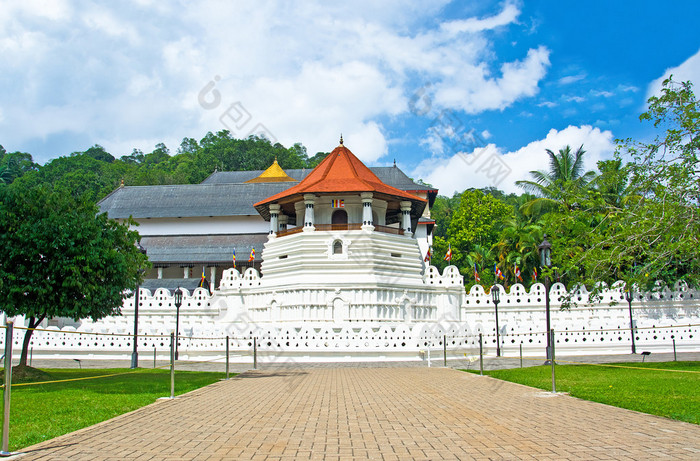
column 688, row 70
column 569, row 79
column 490, row 166
column 123, row 76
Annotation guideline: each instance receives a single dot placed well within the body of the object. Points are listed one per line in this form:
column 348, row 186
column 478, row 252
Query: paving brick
column 374, row 413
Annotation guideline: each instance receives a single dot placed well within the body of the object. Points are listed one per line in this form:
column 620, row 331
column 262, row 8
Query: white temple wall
column 203, row 225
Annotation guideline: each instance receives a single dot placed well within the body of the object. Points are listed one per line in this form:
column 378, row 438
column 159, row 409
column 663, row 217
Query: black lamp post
column 628, row 297
column 135, row 353
column 545, row 249
column 178, row 303
column 496, row 295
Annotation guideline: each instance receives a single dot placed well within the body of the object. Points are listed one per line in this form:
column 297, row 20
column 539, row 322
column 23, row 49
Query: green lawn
column 658, row 392
column 44, row 411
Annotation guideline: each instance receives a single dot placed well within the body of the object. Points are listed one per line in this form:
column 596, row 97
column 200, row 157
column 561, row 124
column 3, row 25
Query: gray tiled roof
column 221, row 194
column 194, row 249
column 188, row 200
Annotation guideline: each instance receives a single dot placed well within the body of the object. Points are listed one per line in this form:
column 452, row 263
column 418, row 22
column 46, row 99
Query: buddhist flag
column 252, row 256
column 203, row 282
column 448, row 255
column 497, row 271
column 234, row 258
column 338, row 203
column 428, row 255
column 517, row 273
column 476, row 274
column 534, row 274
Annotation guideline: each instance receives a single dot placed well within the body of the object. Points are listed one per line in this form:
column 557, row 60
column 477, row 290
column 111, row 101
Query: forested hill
column 94, row 173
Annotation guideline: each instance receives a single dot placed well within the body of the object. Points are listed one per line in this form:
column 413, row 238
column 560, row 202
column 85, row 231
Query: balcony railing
column 340, row 227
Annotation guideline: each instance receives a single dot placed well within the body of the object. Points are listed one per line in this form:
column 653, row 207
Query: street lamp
column 545, row 249
column 496, row 295
column 135, row 353
column 178, row 303
column 628, row 297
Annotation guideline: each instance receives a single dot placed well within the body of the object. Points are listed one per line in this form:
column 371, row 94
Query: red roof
column 341, row 172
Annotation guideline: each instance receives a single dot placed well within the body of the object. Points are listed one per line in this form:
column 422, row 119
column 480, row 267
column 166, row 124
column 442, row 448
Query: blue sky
column 460, row 94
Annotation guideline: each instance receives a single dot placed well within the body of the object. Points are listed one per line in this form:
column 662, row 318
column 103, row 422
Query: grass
column 44, row 411
column 646, row 389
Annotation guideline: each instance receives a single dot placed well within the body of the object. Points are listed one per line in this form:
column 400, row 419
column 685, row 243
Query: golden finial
column 122, row 183
column 341, row 139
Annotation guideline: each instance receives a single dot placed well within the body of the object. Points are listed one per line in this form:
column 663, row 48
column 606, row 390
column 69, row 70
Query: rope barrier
column 571, row 362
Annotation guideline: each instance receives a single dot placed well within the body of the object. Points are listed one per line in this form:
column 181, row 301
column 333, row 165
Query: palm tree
column 565, row 177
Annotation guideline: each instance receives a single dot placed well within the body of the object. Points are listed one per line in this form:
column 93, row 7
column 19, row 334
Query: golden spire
column 341, row 139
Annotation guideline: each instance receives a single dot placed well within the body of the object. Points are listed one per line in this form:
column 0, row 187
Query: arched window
column 337, row 247
column 339, row 217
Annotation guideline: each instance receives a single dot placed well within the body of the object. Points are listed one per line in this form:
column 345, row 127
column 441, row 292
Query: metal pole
column 154, row 356
column 135, row 353
column 444, row 349
column 549, row 326
column 31, row 353
column 177, row 331
column 227, row 357
column 521, row 355
column 498, row 342
column 675, row 359
column 255, row 354
column 481, row 354
column 554, row 381
column 172, row 365
column 8, row 390
column 629, row 301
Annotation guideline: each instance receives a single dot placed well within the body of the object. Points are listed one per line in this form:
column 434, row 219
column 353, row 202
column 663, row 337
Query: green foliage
column 42, row 412
column 640, row 223
column 658, row 392
column 61, row 259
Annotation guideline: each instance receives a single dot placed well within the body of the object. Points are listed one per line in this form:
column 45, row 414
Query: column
column 160, row 272
column 274, row 215
column 367, row 210
column 186, row 272
column 212, row 281
column 406, row 215
column 309, row 201
column 283, row 220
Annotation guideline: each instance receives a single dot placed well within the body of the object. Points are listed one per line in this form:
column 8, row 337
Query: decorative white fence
column 601, row 327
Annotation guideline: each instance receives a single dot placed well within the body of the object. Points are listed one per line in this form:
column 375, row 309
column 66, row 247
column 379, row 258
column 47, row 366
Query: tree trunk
column 33, row 323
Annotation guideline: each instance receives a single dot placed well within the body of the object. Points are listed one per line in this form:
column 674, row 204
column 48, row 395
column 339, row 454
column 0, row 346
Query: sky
column 459, row 94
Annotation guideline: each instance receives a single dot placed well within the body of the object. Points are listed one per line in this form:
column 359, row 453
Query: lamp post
column 496, row 295
column 135, row 353
column 545, row 249
column 178, row 303
column 628, row 297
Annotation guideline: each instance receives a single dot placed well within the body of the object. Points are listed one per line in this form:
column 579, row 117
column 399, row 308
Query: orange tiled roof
column 341, row 172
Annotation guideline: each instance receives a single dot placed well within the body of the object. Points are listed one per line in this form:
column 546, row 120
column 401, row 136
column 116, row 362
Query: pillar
column 406, row 218
column 274, row 219
column 160, row 272
column 283, row 220
column 367, row 220
column 212, row 280
column 309, row 201
column 186, row 272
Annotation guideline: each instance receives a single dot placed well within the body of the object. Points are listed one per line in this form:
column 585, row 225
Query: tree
column 99, row 153
column 654, row 233
column 61, row 259
column 565, row 176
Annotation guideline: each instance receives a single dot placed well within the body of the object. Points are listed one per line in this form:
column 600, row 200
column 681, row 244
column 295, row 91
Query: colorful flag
column 448, row 255
column 234, row 258
column 252, row 256
column 497, row 271
column 338, row 203
column 203, row 282
column 476, row 274
column 517, row 273
column 428, row 255
column 534, row 274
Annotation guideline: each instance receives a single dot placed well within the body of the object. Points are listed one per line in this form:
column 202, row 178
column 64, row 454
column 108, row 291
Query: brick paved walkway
column 374, row 413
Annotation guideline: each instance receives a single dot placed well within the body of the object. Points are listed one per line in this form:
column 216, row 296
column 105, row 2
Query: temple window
column 338, row 247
